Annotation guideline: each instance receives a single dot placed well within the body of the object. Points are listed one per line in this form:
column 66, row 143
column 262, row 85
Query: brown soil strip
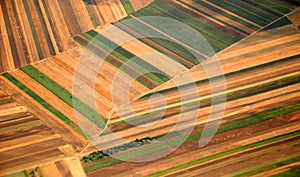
column 6, row 56
column 19, row 121
column 31, row 150
column 69, row 17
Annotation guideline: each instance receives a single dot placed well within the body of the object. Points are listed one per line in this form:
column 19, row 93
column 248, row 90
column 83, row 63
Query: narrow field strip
column 267, row 166
column 127, row 6
column 273, row 6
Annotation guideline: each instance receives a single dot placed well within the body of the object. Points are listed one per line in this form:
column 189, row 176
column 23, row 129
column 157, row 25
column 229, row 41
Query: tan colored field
column 68, row 167
column 138, row 4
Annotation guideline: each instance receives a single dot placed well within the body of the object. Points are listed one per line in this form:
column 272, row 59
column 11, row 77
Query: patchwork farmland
column 45, row 133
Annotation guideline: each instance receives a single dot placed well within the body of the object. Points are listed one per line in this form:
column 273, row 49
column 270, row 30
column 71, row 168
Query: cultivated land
column 32, row 30
column 257, row 50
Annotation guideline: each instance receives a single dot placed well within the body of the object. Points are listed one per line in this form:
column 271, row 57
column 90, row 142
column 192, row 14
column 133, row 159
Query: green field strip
column 125, row 56
column 223, row 154
column 46, row 28
column 275, row 163
column 241, row 12
column 273, row 6
column 230, row 125
column 216, row 37
column 270, row 86
column 221, row 12
column 280, row 22
column 253, row 9
column 64, row 95
column 18, row 174
column 42, row 102
column 213, row 17
column 127, row 6
column 263, row 8
column 294, row 172
column 32, row 27
column 20, row 126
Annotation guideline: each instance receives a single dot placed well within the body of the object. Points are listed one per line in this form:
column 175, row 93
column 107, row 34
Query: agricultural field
column 32, row 30
column 26, row 141
column 262, row 113
column 64, row 96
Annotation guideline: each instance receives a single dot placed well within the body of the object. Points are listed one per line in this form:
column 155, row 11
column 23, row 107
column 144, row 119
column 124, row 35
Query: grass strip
column 273, row 6
column 252, row 9
column 42, row 102
column 127, row 6
column 64, row 95
column 257, row 5
column 241, row 12
column 281, row 22
column 222, row 154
